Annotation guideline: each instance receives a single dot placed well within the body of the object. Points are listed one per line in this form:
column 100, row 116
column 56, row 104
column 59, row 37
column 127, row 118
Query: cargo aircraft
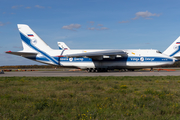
column 94, row 60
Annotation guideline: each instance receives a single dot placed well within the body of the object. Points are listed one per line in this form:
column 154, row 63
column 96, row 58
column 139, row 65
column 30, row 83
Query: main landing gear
column 96, row 70
column 106, row 70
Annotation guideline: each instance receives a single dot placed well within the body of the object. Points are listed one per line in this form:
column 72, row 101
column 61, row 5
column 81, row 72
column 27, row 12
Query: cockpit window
column 158, row 52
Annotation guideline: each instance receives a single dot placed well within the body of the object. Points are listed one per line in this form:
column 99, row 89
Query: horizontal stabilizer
column 22, row 53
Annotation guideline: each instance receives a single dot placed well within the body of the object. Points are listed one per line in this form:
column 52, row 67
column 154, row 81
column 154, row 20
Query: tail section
column 174, row 49
column 33, row 43
column 63, row 46
column 30, row 40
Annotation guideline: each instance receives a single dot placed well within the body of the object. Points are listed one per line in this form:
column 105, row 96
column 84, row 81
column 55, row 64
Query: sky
column 89, row 24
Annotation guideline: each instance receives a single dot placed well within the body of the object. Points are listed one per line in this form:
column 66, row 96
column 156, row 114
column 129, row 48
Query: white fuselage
column 141, row 58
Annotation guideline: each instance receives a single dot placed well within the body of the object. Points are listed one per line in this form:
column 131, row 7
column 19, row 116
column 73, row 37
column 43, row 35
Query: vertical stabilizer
column 63, row 46
column 30, row 40
column 174, row 49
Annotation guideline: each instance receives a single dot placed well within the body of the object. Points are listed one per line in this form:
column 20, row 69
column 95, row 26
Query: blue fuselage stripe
column 175, row 51
column 127, row 59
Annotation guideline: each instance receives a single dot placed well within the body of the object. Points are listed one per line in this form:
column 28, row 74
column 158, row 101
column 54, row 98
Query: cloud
column 145, row 15
column 124, row 21
column 100, row 25
column 8, row 13
column 3, row 24
column 104, row 28
column 16, row 6
column 91, row 22
column 92, row 28
column 28, row 7
column 72, row 27
column 97, row 27
column 38, row 6
column 77, row 26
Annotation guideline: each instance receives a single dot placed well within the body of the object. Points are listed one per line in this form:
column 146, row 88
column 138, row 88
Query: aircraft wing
column 99, row 54
column 22, row 53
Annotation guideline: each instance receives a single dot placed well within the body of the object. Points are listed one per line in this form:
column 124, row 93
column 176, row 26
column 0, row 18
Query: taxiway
column 83, row 73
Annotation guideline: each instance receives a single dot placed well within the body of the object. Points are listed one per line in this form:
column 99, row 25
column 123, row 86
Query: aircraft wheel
column 96, row 70
column 88, row 70
column 92, row 70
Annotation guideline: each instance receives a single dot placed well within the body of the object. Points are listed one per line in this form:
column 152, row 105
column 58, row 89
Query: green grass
column 87, row 98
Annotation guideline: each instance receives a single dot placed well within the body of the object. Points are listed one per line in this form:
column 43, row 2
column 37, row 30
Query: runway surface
column 83, row 73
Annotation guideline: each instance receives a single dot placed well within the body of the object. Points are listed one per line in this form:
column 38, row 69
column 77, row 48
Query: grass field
column 85, row 98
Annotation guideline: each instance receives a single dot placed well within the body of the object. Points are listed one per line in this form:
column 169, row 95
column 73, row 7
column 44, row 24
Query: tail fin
column 63, row 46
column 174, row 49
column 30, row 40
